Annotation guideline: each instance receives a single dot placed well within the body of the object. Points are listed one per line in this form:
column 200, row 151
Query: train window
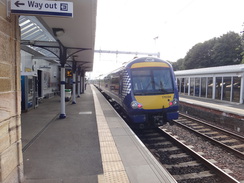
column 141, row 80
column 162, row 80
column 152, row 81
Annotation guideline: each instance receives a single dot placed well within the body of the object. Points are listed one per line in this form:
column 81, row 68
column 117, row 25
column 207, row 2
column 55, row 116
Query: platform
column 229, row 107
column 225, row 114
column 93, row 144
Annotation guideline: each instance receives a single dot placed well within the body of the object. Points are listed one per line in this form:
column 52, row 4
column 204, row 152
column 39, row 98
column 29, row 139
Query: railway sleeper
column 238, row 146
column 181, row 155
column 169, row 149
column 182, row 165
column 191, row 123
column 198, row 127
column 157, row 139
column 205, row 130
column 221, row 137
column 211, row 133
column 193, row 175
column 229, row 141
column 158, row 144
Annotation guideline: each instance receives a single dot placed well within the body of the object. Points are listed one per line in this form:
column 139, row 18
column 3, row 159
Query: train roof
column 144, row 59
column 135, row 60
column 212, row 70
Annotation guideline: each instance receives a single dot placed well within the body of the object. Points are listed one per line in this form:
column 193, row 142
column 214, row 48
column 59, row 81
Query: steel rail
column 212, row 126
column 226, row 147
column 204, row 161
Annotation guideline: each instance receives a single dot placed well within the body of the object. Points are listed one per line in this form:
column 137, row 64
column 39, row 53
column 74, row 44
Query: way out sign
column 44, row 8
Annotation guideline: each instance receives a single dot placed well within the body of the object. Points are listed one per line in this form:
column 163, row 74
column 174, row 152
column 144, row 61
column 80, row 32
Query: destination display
column 44, row 8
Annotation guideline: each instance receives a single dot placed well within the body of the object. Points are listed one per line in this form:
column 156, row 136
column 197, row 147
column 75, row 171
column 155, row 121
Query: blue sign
column 48, row 8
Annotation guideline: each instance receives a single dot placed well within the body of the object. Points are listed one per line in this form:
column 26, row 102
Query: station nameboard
column 44, row 8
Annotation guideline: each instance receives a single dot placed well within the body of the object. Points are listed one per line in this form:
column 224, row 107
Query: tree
column 228, row 50
column 225, row 50
column 179, row 65
column 200, row 55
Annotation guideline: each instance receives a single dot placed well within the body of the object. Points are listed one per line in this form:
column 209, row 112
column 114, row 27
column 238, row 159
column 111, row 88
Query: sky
column 171, row 27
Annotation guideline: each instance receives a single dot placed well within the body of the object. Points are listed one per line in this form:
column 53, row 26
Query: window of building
column 227, row 88
column 210, row 87
column 236, row 89
column 186, row 84
column 218, row 88
column 203, row 87
column 197, row 87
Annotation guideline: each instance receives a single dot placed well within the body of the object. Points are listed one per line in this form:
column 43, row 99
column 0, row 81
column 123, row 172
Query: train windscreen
column 151, row 81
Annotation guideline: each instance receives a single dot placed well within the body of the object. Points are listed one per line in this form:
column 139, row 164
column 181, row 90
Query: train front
column 149, row 93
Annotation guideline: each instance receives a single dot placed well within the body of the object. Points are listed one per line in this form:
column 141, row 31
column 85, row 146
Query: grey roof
column 212, row 70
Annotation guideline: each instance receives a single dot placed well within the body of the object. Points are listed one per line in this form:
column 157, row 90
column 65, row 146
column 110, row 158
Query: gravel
column 223, row 159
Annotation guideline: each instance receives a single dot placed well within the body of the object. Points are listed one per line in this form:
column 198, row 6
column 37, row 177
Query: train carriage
column 146, row 90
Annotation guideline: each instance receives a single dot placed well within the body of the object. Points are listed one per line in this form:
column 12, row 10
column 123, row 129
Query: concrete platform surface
column 92, row 144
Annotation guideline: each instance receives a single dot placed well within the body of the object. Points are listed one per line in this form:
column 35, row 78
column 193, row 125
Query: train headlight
column 136, row 105
column 174, row 102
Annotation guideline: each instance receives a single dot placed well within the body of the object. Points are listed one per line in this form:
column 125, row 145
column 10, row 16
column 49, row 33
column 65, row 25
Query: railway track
column 231, row 142
column 185, row 165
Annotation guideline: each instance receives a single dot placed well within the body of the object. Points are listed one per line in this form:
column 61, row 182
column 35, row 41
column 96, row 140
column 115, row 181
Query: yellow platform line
column 113, row 168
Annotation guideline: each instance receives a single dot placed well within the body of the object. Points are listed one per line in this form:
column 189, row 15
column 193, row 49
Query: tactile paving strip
column 114, row 171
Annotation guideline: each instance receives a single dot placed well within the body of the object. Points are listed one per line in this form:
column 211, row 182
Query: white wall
column 30, row 66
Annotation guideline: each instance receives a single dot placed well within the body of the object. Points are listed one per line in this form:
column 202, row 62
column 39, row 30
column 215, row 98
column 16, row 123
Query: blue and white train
column 145, row 88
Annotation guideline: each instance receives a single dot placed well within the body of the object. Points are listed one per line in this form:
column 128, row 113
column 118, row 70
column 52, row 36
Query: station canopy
column 76, row 34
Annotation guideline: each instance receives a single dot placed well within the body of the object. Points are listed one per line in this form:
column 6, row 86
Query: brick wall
column 11, row 162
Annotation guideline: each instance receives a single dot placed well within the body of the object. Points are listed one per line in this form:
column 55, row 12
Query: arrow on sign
column 17, row 3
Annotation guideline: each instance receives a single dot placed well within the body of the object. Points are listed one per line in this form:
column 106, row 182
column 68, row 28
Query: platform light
column 58, row 32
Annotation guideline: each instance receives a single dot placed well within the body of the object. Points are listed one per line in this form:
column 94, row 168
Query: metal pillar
column 62, row 94
column 78, row 81
column 74, row 89
column 242, row 90
column 63, row 59
column 82, row 84
column 78, row 95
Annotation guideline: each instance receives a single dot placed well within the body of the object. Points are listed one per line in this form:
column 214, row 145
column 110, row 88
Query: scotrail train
column 145, row 88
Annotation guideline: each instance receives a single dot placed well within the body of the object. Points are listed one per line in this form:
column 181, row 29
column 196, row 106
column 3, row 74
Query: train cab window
column 141, row 80
column 162, row 80
column 151, row 81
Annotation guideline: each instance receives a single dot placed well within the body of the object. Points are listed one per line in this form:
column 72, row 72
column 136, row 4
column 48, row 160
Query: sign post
column 43, row 8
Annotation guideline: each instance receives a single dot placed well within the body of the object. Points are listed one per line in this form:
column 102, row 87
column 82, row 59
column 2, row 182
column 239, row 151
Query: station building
column 223, row 83
column 32, row 57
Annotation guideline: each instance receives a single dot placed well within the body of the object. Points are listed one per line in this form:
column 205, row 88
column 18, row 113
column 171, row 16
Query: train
column 145, row 89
